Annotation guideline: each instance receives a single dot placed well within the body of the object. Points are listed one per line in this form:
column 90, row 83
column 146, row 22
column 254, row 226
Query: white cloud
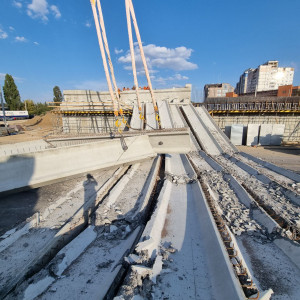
column 40, row 9
column 164, row 80
column 161, row 57
column 142, row 72
column 118, row 51
column 11, row 28
column 17, row 4
column 88, row 24
column 36, row 43
column 55, row 11
column 3, row 34
column 21, row 39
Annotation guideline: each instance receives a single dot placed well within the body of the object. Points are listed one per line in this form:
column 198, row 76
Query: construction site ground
column 215, row 223
column 33, row 129
column 283, row 156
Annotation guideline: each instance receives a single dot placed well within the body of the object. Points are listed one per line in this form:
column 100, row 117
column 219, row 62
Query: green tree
column 11, row 93
column 41, row 108
column 57, row 95
column 30, row 106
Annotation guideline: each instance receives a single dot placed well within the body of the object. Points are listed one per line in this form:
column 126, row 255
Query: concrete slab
column 202, row 134
column 227, row 131
column 265, row 134
column 236, row 134
column 177, row 118
column 165, row 115
column 136, row 123
column 277, row 134
column 151, row 122
column 252, row 134
column 215, row 131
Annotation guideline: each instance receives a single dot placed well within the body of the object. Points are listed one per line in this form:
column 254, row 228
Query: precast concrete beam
column 170, row 141
column 77, row 156
column 50, row 165
column 136, row 122
column 162, row 141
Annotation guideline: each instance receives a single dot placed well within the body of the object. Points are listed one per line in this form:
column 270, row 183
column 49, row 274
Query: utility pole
column 3, row 110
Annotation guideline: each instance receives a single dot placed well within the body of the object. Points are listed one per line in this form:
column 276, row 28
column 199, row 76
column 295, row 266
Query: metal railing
column 252, row 107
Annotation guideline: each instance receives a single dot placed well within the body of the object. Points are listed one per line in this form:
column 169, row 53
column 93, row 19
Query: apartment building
column 268, row 76
column 217, row 90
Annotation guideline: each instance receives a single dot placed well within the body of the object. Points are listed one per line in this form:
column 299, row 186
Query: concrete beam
column 162, row 141
column 39, row 168
column 77, row 156
column 170, row 141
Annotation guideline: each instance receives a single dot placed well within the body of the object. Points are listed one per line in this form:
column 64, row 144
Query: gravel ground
column 286, row 157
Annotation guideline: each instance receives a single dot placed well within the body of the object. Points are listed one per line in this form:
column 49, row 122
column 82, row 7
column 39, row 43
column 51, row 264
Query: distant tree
column 41, row 108
column 57, row 95
column 30, row 106
column 11, row 93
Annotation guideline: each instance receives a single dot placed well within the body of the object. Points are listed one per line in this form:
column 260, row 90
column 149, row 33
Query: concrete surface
column 174, row 95
column 136, row 122
column 23, row 147
column 202, row 134
column 165, row 115
column 150, row 117
column 215, row 131
column 53, row 164
column 285, row 157
column 291, row 132
column 252, row 134
column 236, row 134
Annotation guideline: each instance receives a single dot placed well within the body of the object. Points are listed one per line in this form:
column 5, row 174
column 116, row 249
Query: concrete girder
column 51, row 165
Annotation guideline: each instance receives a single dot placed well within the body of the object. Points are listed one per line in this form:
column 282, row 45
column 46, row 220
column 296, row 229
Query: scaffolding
column 252, row 107
column 88, row 117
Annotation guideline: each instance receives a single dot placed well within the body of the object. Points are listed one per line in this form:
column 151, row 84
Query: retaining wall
column 174, row 95
column 291, row 133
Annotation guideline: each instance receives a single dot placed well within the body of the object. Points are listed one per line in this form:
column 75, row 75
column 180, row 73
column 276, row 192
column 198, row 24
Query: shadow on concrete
column 90, row 195
column 16, row 207
column 284, row 149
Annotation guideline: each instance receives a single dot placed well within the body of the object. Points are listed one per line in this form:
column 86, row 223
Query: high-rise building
column 265, row 77
column 217, row 90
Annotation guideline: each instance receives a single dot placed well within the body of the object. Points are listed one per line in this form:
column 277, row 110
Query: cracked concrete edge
column 62, row 236
column 151, row 236
column 19, row 231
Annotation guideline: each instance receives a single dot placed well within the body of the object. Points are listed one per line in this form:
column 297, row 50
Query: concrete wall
column 90, row 124
column 174, row 95
column 91, row 101
column 291, row 133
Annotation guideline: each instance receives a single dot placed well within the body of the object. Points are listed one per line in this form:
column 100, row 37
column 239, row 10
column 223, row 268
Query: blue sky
column 44, row 43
